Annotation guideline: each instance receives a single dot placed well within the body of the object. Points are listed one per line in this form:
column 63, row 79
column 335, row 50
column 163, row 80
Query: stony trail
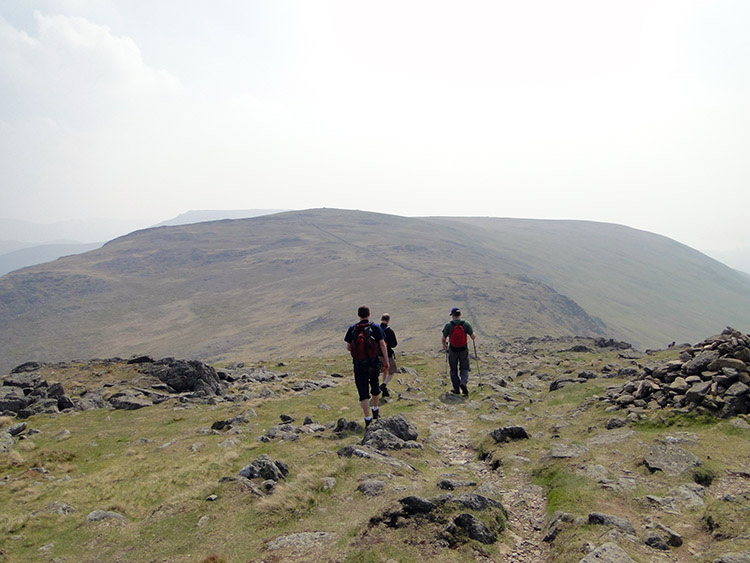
column 525, row 502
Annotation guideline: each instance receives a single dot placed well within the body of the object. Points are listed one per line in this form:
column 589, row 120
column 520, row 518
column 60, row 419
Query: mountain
column 81, row 231
column 203, row 215
column 32, row 255
column 289, row 284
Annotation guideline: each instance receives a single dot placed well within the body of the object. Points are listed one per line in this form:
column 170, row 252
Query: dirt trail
column 525, row 502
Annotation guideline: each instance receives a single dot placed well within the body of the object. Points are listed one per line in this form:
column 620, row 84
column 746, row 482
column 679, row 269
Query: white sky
column 634, row 112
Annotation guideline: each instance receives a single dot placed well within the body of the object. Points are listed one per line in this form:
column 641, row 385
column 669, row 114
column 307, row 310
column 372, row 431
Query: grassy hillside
column 172, row 481
column 289, row 284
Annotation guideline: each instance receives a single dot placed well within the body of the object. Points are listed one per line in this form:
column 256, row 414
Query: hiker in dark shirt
column 455, row 333
column 390, row 342
column 366, row 343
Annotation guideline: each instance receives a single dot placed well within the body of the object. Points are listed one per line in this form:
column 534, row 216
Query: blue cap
column 455, row 311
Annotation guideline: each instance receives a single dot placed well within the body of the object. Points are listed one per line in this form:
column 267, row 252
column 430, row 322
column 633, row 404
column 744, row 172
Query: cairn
column 712, row 376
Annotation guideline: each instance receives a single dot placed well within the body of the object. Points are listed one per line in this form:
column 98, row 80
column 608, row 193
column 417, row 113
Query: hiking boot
column 384, row 390
column 455, row 391
column 464, row 390
column 375, row 414
column 367, row 422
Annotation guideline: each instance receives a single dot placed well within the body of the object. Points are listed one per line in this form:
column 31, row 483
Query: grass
column 143, row 465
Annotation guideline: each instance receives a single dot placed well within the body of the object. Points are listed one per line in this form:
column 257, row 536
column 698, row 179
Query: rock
column 368, row 452
column 451, row 484
column 16, row 429
column 185, row 376
column 562, row 451
column 611, row 521
column 509, row 434
column 101, row 515
column 371, row 487
column 735, row 557
column 328, row 483
column 655, row 541
column 673, row 538
column 6, row 442
column 129, row 400
column 141, row 360
column 382, row 439
column 671, row 459
column 41, row 406
column 615, row 422
column 343, row 425
column 60, row 508
column 737, row 389
column 303, row 540
column 12, row 399
column 473, row 527
column 25, row 367
column 263, row 467
column 697, row 391
column 557, row 522
column 608, row 553
column 417, row 505
column 396, row 425
column 477, row 502
column 700, row 363
column 689, row 495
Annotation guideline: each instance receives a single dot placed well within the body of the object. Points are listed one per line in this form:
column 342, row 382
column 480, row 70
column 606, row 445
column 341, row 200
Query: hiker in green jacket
column 455, row 333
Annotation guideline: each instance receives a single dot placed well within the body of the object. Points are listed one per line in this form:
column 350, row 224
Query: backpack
column 364, row 346
column 458, row 335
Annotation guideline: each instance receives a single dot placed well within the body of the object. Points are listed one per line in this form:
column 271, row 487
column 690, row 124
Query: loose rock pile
column 711, row 376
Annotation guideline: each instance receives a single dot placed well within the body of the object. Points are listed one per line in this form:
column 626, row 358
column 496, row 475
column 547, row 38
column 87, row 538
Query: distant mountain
column 204, row 215
column 78, row 231
column 289, row 284
column 32, row 255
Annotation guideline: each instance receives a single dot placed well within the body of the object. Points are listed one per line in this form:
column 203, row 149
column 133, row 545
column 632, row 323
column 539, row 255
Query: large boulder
column 12, row 399
column 184, row 376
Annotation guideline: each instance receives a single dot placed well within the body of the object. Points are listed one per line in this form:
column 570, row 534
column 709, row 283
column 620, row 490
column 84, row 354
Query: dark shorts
column 366, row 378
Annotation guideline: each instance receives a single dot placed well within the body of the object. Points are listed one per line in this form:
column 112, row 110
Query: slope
column 289, row 284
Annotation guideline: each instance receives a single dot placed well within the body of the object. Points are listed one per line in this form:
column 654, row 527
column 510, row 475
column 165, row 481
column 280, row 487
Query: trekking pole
column 476, row 356
column 447, row 375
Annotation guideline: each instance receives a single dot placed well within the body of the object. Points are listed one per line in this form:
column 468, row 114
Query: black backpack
column 364, row 346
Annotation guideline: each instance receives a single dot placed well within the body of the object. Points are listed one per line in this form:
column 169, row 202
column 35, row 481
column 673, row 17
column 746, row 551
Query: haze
column 627, row 112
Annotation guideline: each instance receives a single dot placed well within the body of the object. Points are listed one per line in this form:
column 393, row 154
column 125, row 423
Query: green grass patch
column 565, row 490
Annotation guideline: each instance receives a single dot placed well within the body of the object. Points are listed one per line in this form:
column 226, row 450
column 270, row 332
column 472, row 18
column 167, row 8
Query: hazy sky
column 634, row 112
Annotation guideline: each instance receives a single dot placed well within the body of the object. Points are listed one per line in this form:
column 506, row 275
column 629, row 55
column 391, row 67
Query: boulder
column 12, row 399
column 473, row 527
column 612, row 521
column 184, row 376
column 371, row 487
column 263, row 467
column 129, row 400
column 509, row 434
column 608, row 553
column 671, row 459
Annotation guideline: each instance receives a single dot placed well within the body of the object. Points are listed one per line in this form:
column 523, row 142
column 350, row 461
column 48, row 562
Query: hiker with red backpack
column 455, row 333
column 366, row 343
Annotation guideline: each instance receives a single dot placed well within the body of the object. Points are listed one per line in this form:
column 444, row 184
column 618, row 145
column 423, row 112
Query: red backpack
column 458, row 335
column 364, row 345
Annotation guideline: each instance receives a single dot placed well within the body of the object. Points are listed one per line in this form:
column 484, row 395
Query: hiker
column 390, row 342
column 366, row 343
column 455, row 332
